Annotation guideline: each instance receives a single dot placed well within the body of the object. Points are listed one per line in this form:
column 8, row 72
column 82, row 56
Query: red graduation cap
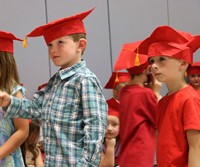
column 6, row 41
column 129, row 59
column 166, row 41
column 194, row 68
column 113, row 107
column 62, row 27
column 117, row 78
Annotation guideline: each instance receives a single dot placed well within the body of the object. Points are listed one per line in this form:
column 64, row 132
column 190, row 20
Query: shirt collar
column 67, row 72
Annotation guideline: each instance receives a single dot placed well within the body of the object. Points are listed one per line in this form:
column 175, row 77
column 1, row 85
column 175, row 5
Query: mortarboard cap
column 61, row 27
column 194, row 68
column 6, row 41
column 129, row 59
column 117, row 78
column 113, row 107
column 42, row 86
column 166, row 41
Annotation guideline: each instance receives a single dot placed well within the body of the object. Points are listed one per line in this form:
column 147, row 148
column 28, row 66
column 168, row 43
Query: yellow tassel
column 24, row 43
column 117, row 78
column 137, row 60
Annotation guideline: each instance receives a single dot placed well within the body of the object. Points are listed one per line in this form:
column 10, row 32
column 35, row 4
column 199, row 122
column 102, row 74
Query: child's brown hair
column 8, row 72
column 77, row 37
column 32, row 140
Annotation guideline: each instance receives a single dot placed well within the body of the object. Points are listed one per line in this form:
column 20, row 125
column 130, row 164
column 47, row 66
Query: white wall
column 111, row 24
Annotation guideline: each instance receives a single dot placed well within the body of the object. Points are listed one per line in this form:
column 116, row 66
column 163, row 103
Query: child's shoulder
column 18, row 88
column 146, row 90
column 188, row 92
column 87, row 74
column 138, row 91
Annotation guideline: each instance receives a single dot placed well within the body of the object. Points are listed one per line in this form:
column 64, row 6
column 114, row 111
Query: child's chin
column 110, row 137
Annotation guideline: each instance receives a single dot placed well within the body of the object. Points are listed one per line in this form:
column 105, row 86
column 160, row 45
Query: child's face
column 112, row 127
column 165, row 68
column 194, row 80
column 64, row 52
column 117, row 89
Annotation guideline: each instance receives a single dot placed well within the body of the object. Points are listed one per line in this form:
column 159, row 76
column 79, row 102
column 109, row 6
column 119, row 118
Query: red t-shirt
column 137, row 122
column 198, row 91
column 176, row 114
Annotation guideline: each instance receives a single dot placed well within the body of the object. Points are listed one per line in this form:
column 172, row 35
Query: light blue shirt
column 7, row 129
column 74, row 117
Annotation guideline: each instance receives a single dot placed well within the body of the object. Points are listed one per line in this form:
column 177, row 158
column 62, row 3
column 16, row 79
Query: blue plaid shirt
column 74, row 117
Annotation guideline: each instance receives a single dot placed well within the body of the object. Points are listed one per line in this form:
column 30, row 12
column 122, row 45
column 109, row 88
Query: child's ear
column 82, row 44
column 184, row 65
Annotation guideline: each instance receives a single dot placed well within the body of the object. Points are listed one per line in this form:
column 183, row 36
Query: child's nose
column 109, row 127
column 154, row 66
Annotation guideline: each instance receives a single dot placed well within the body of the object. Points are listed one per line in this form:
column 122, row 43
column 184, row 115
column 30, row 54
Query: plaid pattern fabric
column 74, row 117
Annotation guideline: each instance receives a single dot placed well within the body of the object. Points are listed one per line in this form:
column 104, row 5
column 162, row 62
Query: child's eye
column 115, row 125
column 151, row 61
column 49, row 45
column 60, row 42
column 162, row 59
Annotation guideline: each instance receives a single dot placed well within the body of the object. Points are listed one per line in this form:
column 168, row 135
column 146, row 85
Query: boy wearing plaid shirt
column 71, row 106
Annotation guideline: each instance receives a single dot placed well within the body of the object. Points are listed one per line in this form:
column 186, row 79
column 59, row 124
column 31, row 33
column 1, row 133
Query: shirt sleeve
column 95, row 121
column 191, row 114
column 23, row 108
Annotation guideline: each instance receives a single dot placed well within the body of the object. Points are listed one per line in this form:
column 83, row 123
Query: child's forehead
column 158, row 57
column 63, row 38
column 112, row 118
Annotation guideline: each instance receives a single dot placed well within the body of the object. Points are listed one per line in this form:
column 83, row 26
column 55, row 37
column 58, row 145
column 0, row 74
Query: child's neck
column 136, row 82
column 196, row 87
column 173, row 88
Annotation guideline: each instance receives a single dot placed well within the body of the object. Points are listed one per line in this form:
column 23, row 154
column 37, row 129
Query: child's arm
column 39, row 161
column 19, row 107
column 20, row 135
column 108, row 159
column 95, row 122
column 193, row 137
column 5, row 99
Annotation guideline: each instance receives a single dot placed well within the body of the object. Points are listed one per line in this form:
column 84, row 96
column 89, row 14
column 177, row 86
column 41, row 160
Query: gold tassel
column 137, row 60
column 24, row 43
column 116, row 78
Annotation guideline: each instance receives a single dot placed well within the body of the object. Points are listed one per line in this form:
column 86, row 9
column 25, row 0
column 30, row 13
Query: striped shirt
column 73, row 111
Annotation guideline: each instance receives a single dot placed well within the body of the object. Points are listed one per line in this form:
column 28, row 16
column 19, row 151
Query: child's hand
column 110, row 142
column 5, row 99
column 156, row 86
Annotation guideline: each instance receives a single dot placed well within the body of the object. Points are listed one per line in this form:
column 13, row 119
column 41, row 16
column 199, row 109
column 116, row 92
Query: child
column 111, row 142
column 125, row 60
column 178, row 117
column 137, row 113
column 116, row 82
column 30, row 148
column 14, row 131
column 72, row 106
column 193, row 76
